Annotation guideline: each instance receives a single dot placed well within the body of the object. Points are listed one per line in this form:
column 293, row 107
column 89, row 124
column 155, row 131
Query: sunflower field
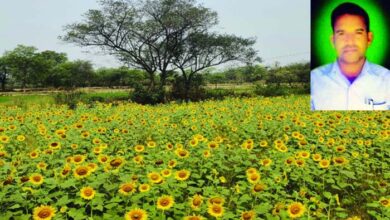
column 251, row 158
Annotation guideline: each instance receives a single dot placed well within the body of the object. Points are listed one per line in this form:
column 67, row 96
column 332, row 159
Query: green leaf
column 63, row 201
column 244, row 198
column 111, row 205
column 15, row 206
column 349, row 174
column 327, row 195
column 263, row 208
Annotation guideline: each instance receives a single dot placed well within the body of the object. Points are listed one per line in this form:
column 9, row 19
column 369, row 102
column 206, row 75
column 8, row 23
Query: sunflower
column 155, row 177
column 44, row 212
column 41, row 165
column 340, row 160
column 55, row 145
column 317, row 157
column 182, row 153
column 20, row 138
column 193, row 217
column 139, row 148
column 199, row 137
column 324, row 163
column 258, row 187
column 263, row 143
column 144, row 187
column 304, row 154
column 166, row 172
column 96, row 141
column 103, row 158
column 193, row 142
column 289, row 161
column 151, row 144
column 77, row 159
column 117, row 162
column 248, row 215
column 213, row 145
column 182, row 175
column 385, row 202
column 196, row 201
column 216, row 200
column 215, row 210
column 136, row 214
column 206, row 153
column 36, row 179
column 138, row 159
column 253, row 178
column 127, row 189
column 278, row 206
column 4, row 139
column 169, row 146
column 266, row 162
column 65, row 171
column 172, row 163
column 251, row 170
column 87, row 193
column 340, row 149
column 300, row 163
column 295, row 209
column 81, row 172
column 92, row 167
column 165, row 202
column 34, row 154
column 282, row 148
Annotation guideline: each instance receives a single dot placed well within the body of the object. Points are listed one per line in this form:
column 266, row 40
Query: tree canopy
column 159, row 36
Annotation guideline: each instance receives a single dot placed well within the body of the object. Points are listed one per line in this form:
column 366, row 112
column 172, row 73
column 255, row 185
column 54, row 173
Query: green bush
column 142, row 95
column 69, row 98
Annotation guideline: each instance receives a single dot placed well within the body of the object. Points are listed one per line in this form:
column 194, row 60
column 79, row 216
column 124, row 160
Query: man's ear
column 370, row 38
column 332, row 39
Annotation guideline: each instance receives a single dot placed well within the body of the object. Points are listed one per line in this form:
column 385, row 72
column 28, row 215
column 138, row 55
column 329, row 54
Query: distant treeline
column 24, row 67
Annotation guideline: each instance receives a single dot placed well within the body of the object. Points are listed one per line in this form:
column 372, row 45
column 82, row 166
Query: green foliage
column 190, row 89
column 70, row 98
column 144, row 95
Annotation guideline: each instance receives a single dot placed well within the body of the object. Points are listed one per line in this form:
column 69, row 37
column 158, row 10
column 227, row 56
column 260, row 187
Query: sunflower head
column 36, row 179
column 81, row 172
column 196, row 201
column 136, row 214
column 127, row 188
column 43, row 212
column 87, row 193
column 295, row 209
column 155, row 177
column 215, row 210
column 165, row 202
column 248, row 215
column 324, row 163
column 182, row 175
column 193, row 217
column 144, row 187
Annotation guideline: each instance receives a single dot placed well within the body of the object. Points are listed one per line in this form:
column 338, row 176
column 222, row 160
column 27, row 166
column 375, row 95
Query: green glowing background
column 321, row 47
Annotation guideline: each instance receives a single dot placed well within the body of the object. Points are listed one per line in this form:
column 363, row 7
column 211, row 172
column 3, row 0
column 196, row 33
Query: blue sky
column 281, row 27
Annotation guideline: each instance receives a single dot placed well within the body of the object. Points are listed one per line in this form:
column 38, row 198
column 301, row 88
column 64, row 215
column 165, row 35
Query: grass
column 21, row 100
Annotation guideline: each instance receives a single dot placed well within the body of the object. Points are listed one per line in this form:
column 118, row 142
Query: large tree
column 4, row 73
column 204, row 50
column 153, row 34
column 22, row 61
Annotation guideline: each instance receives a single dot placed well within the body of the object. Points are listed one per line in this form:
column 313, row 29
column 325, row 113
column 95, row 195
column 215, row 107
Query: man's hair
column 352, row 9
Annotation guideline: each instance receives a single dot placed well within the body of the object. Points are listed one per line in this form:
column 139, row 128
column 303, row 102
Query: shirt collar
column 336, row 72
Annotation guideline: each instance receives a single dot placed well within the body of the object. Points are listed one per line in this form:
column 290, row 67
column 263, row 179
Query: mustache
column 353, row 47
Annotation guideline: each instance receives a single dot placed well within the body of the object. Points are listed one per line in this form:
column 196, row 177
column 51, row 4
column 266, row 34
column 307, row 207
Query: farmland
column 248, row 158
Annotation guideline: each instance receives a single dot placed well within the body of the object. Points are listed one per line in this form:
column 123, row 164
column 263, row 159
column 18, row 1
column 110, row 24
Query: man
column 350, row 83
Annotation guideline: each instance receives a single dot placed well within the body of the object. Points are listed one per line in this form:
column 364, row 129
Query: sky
column 281, row 27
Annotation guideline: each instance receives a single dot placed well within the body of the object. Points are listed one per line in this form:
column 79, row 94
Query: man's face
column 350, row 38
